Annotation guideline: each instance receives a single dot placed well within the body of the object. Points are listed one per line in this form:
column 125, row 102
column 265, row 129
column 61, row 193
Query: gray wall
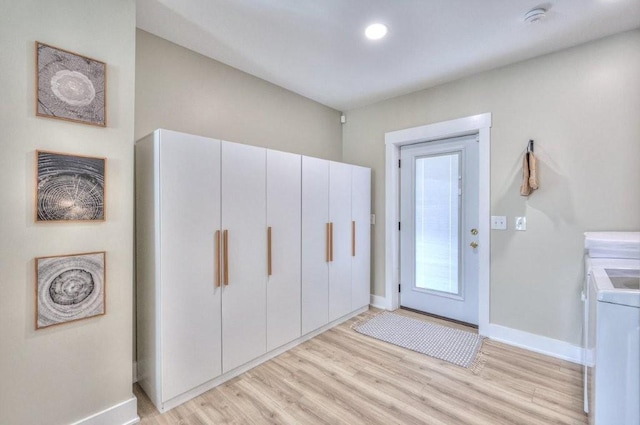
column 582, row 107
column 181, row 90
column 62, row 374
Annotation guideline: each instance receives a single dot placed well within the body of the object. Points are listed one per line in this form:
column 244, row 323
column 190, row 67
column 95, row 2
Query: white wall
column 582, row 107
column 65, row 373
column 181, row 90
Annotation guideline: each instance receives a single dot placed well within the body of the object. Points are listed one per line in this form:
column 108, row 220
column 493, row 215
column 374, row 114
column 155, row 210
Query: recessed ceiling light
column 535, row 15
column 375, row 31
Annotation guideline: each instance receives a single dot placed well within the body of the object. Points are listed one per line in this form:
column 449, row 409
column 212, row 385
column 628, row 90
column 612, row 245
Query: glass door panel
column 437, row 223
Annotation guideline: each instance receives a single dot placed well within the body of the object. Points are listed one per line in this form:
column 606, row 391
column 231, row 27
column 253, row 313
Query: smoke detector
column 535, row 15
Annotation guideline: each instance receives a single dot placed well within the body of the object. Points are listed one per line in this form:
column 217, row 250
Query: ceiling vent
column 535, row 15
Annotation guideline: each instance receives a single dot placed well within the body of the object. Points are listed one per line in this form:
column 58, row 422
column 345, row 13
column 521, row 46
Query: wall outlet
column 499, row 222
column 521, row 223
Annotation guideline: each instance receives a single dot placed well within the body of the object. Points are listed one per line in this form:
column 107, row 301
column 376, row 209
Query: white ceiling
column 316, row 48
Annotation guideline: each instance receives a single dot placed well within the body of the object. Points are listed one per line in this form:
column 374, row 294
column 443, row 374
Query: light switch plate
column 499, row 222
column 521, row 223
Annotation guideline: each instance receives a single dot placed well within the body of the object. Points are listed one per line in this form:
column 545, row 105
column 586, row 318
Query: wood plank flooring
column 342, row 377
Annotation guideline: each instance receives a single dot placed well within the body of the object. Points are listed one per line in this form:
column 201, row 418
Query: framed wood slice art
column 69, row 288
column 69, row 187
column 70, row 86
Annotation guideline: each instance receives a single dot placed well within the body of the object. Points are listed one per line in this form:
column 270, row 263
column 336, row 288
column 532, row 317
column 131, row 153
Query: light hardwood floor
column 342, row 377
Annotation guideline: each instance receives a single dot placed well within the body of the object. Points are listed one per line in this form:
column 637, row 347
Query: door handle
column 269, row 251
column 225, row 241
column 331, row 239
column 473, row 245
column 328, row 240
column 217, row 255
column 353, row 238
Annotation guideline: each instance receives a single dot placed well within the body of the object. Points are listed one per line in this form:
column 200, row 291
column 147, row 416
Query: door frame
column 476, row 124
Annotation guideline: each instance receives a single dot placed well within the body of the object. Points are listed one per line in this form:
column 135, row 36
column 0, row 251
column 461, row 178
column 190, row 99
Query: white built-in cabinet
column 178, row 210
column 241, row 252
column 336, row 200
column 283, row 247
column 315, row 243
column 244, row 293
column 361, row 249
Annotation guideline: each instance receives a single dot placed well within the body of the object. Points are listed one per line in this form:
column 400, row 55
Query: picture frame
column 70, row 288
column 69, row 187
column 70, row 86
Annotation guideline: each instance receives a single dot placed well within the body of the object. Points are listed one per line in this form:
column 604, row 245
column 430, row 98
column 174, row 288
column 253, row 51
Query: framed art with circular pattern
column 69, row 187
column 69, row 288
column 70, row 86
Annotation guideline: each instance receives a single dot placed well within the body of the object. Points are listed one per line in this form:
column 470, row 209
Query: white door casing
column 439, row 216
column 480, row 124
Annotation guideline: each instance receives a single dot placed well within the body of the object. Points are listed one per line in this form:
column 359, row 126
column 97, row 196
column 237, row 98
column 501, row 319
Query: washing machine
column 611, row 339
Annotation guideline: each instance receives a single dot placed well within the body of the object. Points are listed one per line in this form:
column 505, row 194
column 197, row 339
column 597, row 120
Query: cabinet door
column 340, row 218
column 361, row 249
column 315, row 269
column 190, row 302
column 284, row 183
column 244, row 297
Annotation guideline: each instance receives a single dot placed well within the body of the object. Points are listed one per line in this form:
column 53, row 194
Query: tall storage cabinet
column 336, row 205
column 340, row 234
column 240, row 250
column 284, row 191
column 361, row 228
column 315, row 243
column 244, row 293
column 179, row 304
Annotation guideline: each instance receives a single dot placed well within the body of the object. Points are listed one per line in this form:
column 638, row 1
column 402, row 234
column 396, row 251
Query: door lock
column 474, row 231
column 473, row 245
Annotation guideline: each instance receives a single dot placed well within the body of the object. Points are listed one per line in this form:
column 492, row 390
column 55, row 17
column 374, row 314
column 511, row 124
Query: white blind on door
column 437, row 226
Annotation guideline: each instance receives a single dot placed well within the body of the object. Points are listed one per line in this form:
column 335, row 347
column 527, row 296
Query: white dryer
column 612, row 328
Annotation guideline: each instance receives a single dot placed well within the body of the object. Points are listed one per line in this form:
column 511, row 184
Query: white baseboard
column 378, row 302
column 536, row 343
column 125, row 413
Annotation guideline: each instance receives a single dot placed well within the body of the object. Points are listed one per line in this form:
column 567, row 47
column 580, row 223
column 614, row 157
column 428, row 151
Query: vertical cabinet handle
column 225, row 241
column 217, row 255
column 353, row 238
column 328, row 239
column 331, row 241
column 269, row 251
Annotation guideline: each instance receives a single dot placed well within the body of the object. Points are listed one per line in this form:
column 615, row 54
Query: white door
column 361, row 237
column 315, row 243
column 244, row 293
column 439, row 222
column 189, row 219
column 340, row 246
column 283, row 247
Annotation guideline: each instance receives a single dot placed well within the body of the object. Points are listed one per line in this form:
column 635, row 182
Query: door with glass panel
column 438, row 228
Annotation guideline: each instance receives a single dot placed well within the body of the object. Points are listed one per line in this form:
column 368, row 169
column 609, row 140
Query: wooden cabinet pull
column 328, row 240
column 331, row 241
column 217, row 259
column 353, row 238
column 225, row 241
column 269, row 251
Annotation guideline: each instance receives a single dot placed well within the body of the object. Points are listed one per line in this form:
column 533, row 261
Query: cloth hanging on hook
column 529, row 173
